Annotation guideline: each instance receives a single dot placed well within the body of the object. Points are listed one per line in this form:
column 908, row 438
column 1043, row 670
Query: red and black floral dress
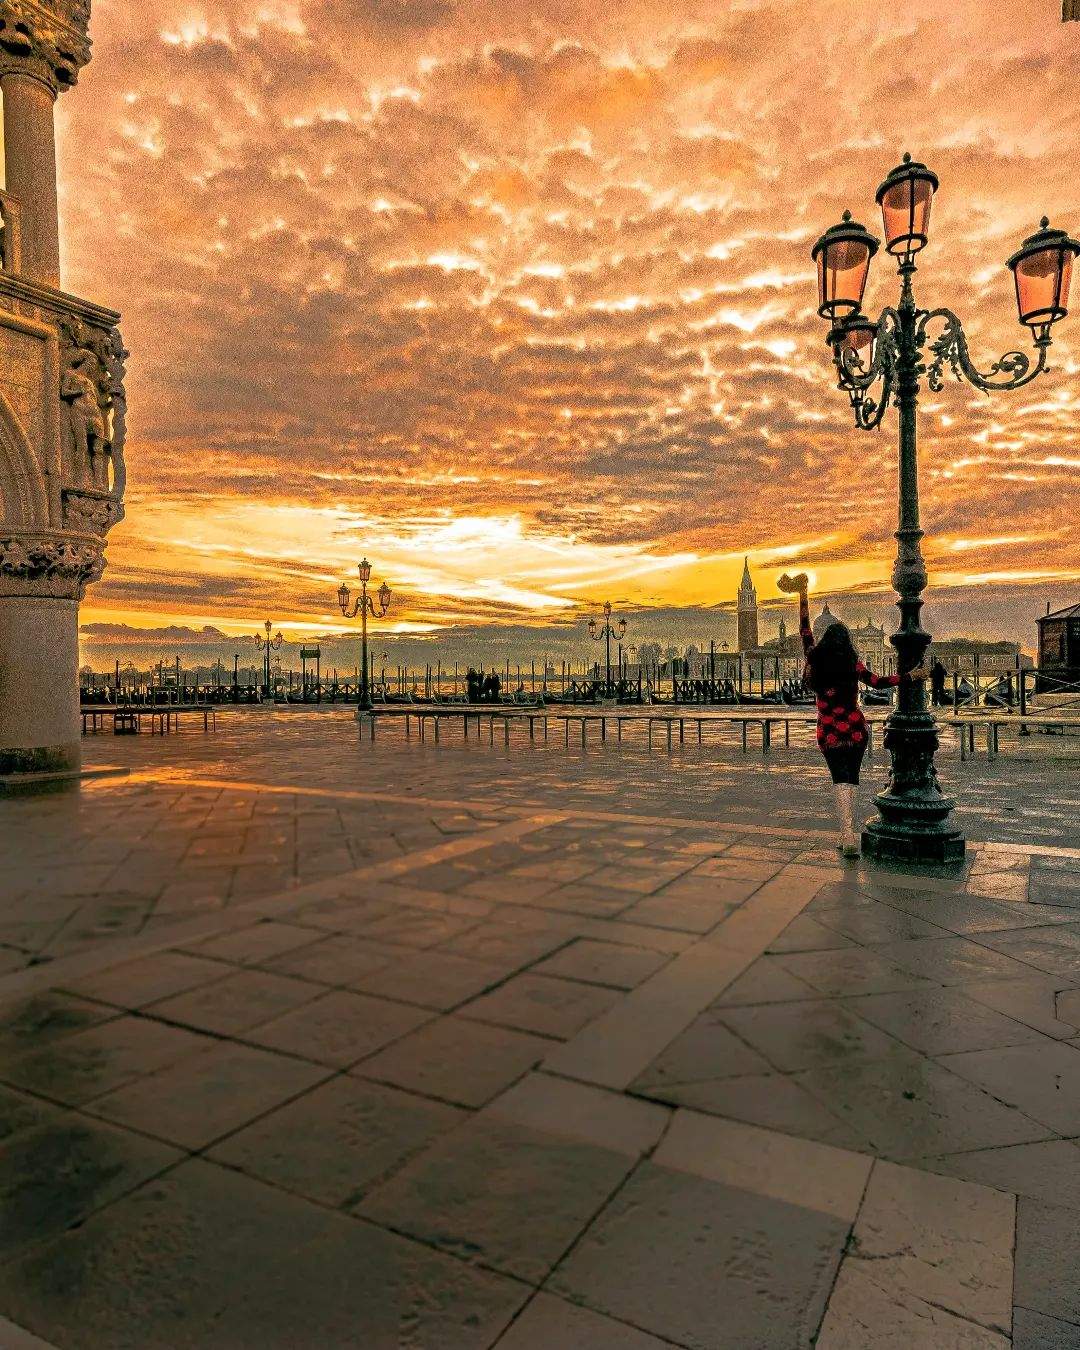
column 841, row 726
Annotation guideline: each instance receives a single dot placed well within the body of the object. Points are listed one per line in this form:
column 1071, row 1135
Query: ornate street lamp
column 605, row 633
column 266, row 645
column 363, row 605
column 881, row 361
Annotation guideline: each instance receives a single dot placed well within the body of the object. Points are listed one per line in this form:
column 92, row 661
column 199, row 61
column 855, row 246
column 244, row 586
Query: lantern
column 905, row 198
column 1042, row 268
column 384, row 596
column 343, row 597
column 364, row 568
column 843, row 256
column 857, row 335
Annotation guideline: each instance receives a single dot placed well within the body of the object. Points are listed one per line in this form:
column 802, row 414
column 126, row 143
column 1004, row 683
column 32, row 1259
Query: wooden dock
column 129, row 720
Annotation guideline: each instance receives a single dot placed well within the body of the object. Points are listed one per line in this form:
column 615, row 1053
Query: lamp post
column 266, row 645
column 363, row 605
column 606, row 632
column 881, row 361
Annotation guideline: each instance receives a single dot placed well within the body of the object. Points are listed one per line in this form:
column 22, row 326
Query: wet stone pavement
column 520, row 1074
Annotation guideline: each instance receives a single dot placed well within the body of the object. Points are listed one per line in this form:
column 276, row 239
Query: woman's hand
column 793, row 585
column 919, row 673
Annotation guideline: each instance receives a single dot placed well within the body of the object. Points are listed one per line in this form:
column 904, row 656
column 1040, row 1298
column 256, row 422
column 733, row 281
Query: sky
column 517, row 301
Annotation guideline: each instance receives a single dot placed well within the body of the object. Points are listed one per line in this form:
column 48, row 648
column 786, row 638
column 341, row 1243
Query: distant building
column 971, row 656
column 748, row 615
column 870, row 643
column 1059, row 644
column 823, row 620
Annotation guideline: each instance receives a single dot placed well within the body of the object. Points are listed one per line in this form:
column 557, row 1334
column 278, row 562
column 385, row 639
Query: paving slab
column 132, row 984
column 339, row 1028
column 607, row 963
column 707, row 1049
column 854, row 970
column 579, row 1111
column 89, row 1063
column 774, row 1101
column 864, row 1316
column 952, row 960
column 941, row 1021
column 256, row 942
column 805, row 1035
column 207, row 1095
column 907, row 1106
column 549, row 1323
column 249, row 1266
column 928, row 1244
column 468, row 1195
column 336, row 1142
column 54, row 1175
column 438, row 980
column 1047, row 1259
column 1033, row 1002
column 339, row 960
column 798, row 1171
column 456, row 1060
column 704, row 1264
column 243, row 999
column 1048, row 1171
column 542, row 1004
column 1042, row 1080
column 1036, row 1331
column 29, row 1023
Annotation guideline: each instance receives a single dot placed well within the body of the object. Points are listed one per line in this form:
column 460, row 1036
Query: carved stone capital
column 49, row 563
column 89, row 512
column 47, row 39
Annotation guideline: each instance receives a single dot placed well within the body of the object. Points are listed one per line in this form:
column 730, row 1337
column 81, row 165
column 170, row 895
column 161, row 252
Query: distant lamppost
column 363, row 605
column 266, row 645
column 605, row 633
column 881, row 361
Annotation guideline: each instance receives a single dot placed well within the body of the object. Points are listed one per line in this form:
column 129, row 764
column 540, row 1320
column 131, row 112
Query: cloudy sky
column 517, row 299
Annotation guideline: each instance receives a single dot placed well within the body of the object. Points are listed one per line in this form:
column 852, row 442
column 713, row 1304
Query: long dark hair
column 832, row 659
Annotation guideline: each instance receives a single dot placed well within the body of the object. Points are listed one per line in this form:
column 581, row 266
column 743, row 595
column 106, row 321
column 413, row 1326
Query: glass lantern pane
column 860, row 341
column 1042, row 285
column 842, row 271
column 905, row 211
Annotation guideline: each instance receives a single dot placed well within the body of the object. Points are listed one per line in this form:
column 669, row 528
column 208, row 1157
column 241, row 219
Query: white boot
column 845, row 805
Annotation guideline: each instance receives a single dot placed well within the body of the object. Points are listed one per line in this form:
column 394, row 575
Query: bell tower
column 748, row 616
column 62, row 406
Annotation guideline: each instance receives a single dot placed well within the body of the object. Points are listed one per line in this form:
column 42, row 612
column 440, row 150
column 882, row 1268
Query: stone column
column 42, row 579
column 61, row 411
column 30, row 166
column 39, row 670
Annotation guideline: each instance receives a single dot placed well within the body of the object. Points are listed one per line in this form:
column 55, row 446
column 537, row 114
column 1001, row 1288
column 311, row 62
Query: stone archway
column 23, row 499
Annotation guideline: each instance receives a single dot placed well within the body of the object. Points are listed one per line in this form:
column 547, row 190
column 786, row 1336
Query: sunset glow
column 518, row 301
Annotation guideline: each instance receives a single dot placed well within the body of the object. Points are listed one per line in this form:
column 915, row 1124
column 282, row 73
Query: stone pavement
column 536, row 1079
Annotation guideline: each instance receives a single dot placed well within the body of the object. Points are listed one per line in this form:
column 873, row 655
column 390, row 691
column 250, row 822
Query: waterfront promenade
column 308, row 1043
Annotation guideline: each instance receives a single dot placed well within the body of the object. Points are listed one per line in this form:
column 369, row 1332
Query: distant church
column 869, row 637
column 748, row 625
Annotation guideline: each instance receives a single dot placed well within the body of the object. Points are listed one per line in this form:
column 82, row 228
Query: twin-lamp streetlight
column 266, row 645
column 363, row 605
column 881, row 361
column 606, row 632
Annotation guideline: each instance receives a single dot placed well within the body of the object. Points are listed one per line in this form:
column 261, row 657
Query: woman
column 833, row 672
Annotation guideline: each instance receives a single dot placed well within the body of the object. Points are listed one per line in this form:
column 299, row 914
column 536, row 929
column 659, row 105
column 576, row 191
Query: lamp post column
column 365, row 704
column 913, row 820
column 607, row 657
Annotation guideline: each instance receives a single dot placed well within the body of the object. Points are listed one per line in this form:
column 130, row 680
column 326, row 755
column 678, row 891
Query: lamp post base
column 913, row 841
